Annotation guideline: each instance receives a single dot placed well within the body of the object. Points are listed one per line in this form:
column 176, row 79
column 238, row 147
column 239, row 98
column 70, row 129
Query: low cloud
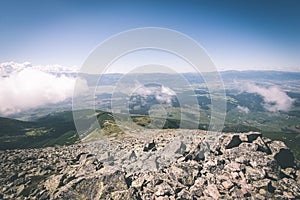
column 243, row 109
column 27, row 87
column 162, row 93
column 275, row 99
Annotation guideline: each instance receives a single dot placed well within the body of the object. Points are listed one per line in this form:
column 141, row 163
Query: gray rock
column 212, row 191
column 234, row 141
column 150, row 147
column 285, row 158
column 185, row 165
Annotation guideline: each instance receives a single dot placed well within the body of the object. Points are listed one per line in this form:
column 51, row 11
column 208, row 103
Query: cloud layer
column 24, row 87
column 162, row 93
column 243, row 109
column 275, row 99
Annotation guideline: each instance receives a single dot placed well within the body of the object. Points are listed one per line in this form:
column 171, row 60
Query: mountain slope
column 235, row 166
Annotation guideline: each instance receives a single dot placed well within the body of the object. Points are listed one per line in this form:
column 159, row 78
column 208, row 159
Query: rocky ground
column 184, row 164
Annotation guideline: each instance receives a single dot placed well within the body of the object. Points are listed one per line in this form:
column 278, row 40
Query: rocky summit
column 170, row 164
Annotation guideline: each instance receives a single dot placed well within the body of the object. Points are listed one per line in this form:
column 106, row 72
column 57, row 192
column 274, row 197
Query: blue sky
column 236, row 34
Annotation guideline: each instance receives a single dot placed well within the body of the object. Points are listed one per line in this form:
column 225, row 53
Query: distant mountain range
column 8, row 68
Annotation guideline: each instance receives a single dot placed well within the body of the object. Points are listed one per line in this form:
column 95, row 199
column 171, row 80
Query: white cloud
column 162, row 93
column 8, row 68
column 24, row 87
column 167, row 91
column 275, row 99
column 242, row 108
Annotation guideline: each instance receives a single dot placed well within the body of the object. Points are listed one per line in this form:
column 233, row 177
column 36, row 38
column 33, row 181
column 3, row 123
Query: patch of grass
column 37, row 131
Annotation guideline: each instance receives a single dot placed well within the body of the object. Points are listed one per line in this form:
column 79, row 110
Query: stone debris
column 167, row 166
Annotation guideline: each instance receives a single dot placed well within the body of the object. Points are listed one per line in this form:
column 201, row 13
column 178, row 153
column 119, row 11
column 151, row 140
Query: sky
column 242, row 35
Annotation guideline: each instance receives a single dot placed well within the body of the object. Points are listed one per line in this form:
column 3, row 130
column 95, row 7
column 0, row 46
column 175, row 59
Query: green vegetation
column 51, row 130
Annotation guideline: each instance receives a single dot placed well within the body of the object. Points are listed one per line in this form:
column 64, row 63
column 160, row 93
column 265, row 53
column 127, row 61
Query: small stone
column 184, row 194
column 254, row 174
column 223, row 177
column 234, row 175
column 181, row 159
column 163, row 189
column 132, row 156
column 119, row 195
column 288, row 195
column 262, row 191
column 227, row 184
column 212, row 191
column 261, row 146
column 162, row 198
column 288, row 172
column 21, row 174
column 200, row 181
column 196, row 191
column 20, row 189
column 233, row 166
column 261, row 183
column 53, row 182
column 244, row 137
column 138, row 182
column 150, row 147
column 298, row 176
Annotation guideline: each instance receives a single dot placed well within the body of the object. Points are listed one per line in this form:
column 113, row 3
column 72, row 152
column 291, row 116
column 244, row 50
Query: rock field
column 169, row 164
